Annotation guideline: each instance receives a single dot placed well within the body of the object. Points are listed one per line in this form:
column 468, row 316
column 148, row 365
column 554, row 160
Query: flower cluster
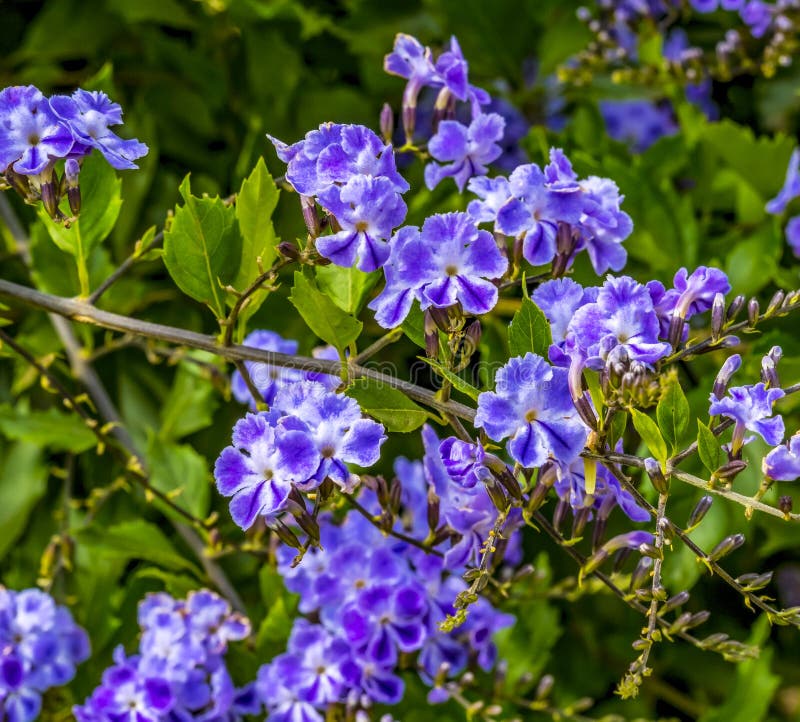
column 268, row 379
column 179, row 672
column 309, row 435
column 552, row 215
column 36, row 132
column 375, row 598
column 789, row 191
column 638, row 123
column 40, row 646
column 446, row 263
column 352, row 174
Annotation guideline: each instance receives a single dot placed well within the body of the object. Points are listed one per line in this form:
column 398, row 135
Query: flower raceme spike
column 40, row 647
column 751, row 408
column 533, row 408
column 179, row 672
column 309, row 435
column 448, row 262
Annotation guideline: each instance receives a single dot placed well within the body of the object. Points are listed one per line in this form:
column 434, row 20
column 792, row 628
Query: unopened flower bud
column 699, row 512
column 285, row 534
column 717, row 316
column 785, row 504
column 729, row 368
column 731, row 469
column 674, row 602
column 433, row 509
column 579, row 521
column 71, row 171
column 753, row 582
column 736, row 306
column 289, row 250
column 775, row 303
column 657, row 478
column 559, row 513
column 769, row 374
column 545, row 687
column 641, row 573
column 387, row 122
column 752, row 312
column 310, row 215
column 472, row 338
column 726, row 546
column 49, row 191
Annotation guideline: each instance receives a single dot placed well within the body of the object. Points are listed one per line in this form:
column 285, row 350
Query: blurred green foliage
column 202, row 82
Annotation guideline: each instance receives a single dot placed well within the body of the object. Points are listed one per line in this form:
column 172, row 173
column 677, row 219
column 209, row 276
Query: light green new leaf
column 347, row 287
column 457, row 382
column 180, row 472
column 189, row 406
column 650, row 434
column 57, row 431
column 23, row 481
column 529, row 331
column 100, row 206
column 202, row 248
column 709, row 448
column 322, row 316
column 255, row 205
column 672, row 413
column 388, row 405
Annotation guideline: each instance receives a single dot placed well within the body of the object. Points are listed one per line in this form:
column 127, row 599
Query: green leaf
column 281, row 605
column 458, row 383
column 325, row 319
column 189, row 406
column 202, row 248
column 414, row 326
column 100, row 206
column 182, row 473
column 255, row 205
column 650, row 434
column 529, row 331
column 347, row 287
column 672, row 413
column 708, row 447
column 57, row 431
column 135, row 539
column 23, row 481
column 388, row 405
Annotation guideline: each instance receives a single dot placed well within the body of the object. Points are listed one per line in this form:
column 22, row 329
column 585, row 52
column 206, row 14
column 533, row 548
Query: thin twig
column 124, row 267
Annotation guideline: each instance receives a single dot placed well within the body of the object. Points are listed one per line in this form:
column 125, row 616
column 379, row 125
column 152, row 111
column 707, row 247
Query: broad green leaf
column 281, row 605
column 709, row 448
column 23, row 481
column 100, row 206
column 529, row 331
column 388, row 405
column 414, row 326
column 672, row 413
column 135, row 540
column 457, row 382
column 255, row 205
column 347, row 287
column 324, row 318
column 51, row 428
column 180, row 472
column 202, row 248
column 650, row 434
column 189, row 406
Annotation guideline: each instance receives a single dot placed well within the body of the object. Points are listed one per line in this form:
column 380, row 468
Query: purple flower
column 367, row 209
column 622, row 318
column 637, row 123
column 604, row 225
column 89, row 115
column 494, row 194
column 783, row 462
column 467, row 151
column 791, row 186
column 695, row 294
column 179, row 672
column 266, row 378
column 537, row 206
column 448, row 262
column 464, row 462
column 336, row 429
column 40, row 647
column 31, row 135
column 758, row 16
column 266, row 459
column 333, row 154
column 751, row 408
column 532, row 405
column 559, row 299
column 793, row 235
